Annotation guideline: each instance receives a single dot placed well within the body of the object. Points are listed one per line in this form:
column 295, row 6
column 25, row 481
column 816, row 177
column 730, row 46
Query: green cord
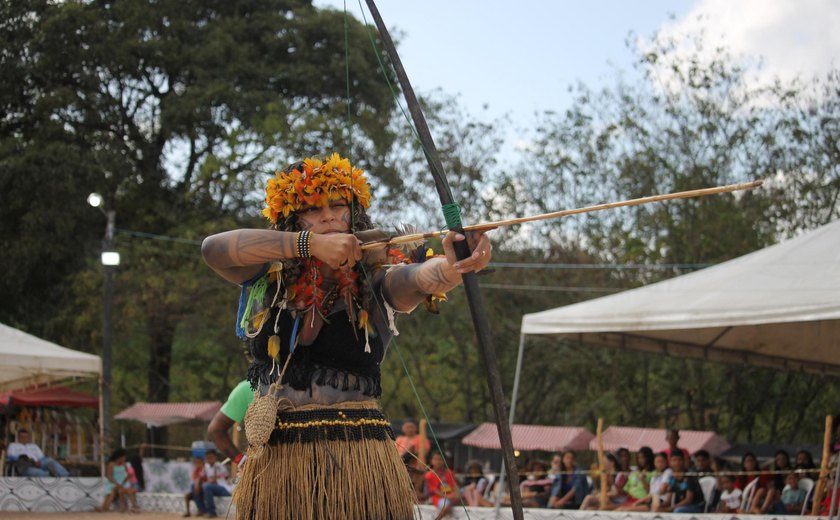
column 452, row 214
column 347, row 81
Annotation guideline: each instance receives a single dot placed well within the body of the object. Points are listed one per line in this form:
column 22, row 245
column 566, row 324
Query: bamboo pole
column 818, row 492
column 602, row 469
column 235, row 438
column 424, row 441
column 486, row 226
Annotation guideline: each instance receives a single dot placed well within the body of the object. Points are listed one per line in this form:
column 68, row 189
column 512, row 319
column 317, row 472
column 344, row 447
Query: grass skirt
column 326, row 462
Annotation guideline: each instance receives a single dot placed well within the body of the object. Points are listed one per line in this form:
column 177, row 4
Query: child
column 793, row 497
column 730, row 498
column 196, row 481
column 442, row 486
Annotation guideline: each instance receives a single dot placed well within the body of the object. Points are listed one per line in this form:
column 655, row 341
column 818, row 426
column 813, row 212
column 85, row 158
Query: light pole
column 110, row 260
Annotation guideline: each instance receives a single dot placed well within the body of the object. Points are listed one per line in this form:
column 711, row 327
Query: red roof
column 529, row 437
column 49, row 396
column 616, row 437
column 164, row 414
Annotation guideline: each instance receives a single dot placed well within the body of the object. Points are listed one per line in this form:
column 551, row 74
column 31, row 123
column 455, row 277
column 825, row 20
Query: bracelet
column 238, row 458
column 303, row 244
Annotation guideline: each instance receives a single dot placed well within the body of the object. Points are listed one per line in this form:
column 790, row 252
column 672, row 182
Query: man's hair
column 702, row 453
column 23, row 431
column 674, row 431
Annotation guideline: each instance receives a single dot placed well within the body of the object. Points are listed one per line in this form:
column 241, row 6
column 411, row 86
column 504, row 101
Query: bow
column 453, row 221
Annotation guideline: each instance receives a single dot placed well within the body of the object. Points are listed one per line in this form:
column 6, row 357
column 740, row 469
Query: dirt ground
column 5, row 515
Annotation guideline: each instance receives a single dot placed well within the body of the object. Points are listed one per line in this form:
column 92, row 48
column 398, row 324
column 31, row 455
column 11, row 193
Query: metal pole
column 107, row 330
column 513, row 397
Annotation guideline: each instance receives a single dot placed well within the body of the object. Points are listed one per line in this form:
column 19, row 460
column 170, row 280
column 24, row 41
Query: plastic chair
column 708, row 486
column 808, row 485
column 749, row 491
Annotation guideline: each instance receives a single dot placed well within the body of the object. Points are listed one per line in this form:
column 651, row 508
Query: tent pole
column 101, row 428
column 513, row 396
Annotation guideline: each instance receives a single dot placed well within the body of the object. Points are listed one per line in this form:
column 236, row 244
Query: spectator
column 409, row 441
column 703, row 464
column 792, row 495
column 569, row 488
column 232, row 412
column 536, row 487
column 442, row 486
column 804, row 460
column 781, row 467
column 556, row 468
column 118, row 483
column 616, row 481
column 730, row 496
column 750, row 470
column 195, row 493
column 688, row 497
column 216, row 484
column 673, row 439
column 417, row 475
column 474, row 485
column 638, row 481
column 30, row 461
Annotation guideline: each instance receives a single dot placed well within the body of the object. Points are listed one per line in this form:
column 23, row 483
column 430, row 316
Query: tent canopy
column 26, row 360
column 164, row 414
column 616, row 437
column 50, row 396
column 529, row 437
column 777, row 307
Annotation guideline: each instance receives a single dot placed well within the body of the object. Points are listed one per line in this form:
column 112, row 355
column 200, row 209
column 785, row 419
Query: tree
column 172, row 110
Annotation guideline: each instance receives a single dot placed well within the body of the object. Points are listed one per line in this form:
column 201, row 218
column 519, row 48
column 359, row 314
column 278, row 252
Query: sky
column 519, row 58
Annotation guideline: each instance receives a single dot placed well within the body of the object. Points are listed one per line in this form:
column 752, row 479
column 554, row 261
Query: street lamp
column 110, row 260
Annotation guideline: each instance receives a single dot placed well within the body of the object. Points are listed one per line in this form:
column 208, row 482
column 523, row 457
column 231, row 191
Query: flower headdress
column 315, row 183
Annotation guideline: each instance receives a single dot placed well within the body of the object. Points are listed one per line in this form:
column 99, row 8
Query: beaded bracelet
column 303, row 245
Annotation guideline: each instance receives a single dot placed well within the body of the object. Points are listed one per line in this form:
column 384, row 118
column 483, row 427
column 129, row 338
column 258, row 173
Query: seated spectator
column 615, row 488
column 556, row 468
column 29, row 460
column 730, row 496
column 804, row 460
column 793, row 497
column 781, row 467
column 703, row 464
column 195, row 493
column 765, row 493
column 638, row 481
column 118, row 483
column 569, row 487
column 688, row 497
column 216, row 484
column 536, row 486
column 417, row 475
column 441, row 485
column 474, row 485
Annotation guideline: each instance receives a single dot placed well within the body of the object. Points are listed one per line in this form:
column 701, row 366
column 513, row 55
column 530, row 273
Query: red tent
column 528, row 437
column 164, row 414
column 49, row 396
column 632, row 438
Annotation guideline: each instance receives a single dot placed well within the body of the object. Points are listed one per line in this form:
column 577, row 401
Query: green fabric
column 634, row 487
column 237, row 402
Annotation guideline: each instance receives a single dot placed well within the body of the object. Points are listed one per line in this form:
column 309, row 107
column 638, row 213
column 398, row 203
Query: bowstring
column 367, row 275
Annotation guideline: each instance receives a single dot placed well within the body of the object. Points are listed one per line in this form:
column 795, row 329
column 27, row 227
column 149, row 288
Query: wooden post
column 424, row 440
column 602, row 467
column 818, row 492
column 235, row 438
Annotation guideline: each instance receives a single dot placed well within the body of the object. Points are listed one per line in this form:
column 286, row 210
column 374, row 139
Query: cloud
column 794, row 38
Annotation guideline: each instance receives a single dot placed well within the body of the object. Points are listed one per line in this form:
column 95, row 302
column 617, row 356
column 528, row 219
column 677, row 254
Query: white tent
column 26, row 360
column 777, row 307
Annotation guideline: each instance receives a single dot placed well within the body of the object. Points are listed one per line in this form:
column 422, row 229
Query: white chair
column 806, row 484
column 708, row 485
column 749, row 492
